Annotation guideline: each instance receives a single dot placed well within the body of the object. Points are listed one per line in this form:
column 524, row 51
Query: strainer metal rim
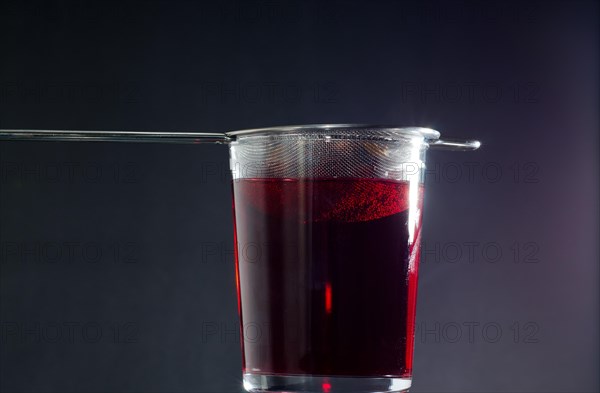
column 390, row 130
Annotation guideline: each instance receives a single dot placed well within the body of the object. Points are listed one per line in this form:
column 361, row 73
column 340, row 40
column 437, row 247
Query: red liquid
column 327, row 272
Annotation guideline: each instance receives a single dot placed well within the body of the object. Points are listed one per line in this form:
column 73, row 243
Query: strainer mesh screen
column 339, row 155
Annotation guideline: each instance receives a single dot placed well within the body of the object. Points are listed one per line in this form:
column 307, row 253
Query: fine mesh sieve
column 333, row 152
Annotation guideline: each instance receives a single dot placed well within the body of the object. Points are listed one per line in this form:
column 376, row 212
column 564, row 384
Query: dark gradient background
column 156, row 310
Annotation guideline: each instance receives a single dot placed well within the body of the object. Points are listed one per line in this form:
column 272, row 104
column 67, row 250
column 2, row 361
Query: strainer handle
column 175, row 137
column 115, row 136
column 454, row 144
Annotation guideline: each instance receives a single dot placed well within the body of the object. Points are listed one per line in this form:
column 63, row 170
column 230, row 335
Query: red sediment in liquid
column 330, row 199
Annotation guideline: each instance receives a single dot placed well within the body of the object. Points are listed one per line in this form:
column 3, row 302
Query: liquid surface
column 327, row 272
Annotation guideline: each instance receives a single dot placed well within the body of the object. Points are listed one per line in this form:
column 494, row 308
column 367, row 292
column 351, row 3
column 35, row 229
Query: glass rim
column 360, row 129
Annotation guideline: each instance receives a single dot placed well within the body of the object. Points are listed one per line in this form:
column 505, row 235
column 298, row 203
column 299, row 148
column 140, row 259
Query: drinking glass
column 327, row 234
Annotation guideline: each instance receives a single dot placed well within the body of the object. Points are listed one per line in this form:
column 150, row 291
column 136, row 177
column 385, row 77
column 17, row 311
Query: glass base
column 323, row 384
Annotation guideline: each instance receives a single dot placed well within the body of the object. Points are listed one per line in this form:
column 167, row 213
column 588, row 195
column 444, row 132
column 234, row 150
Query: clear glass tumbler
column 327, row 234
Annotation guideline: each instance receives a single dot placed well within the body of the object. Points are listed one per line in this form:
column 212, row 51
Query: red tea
column 327, row 275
